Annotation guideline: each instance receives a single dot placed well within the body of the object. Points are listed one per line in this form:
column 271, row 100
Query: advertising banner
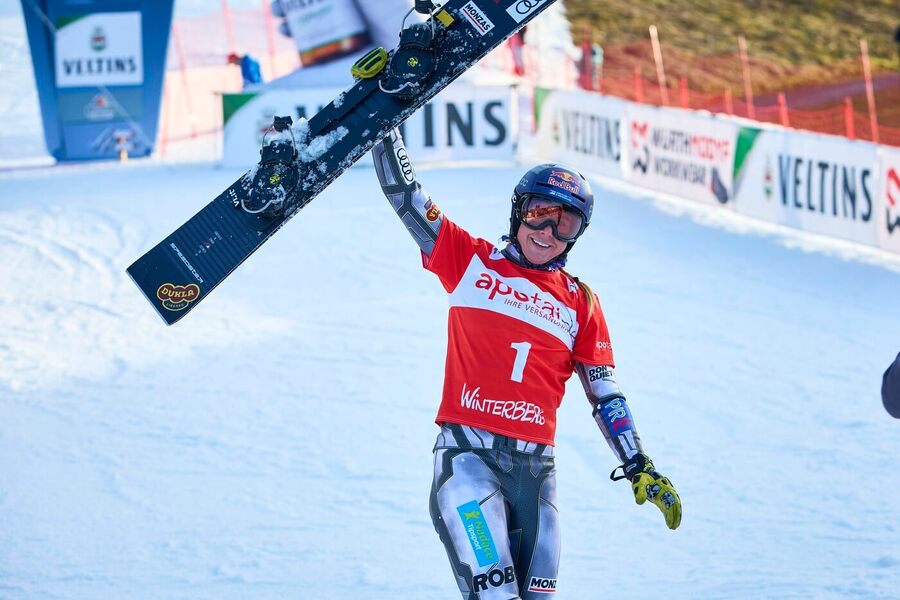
column 464, row 122
column 822, row 184
column 314, row 24
column 887, row 199
column 680, row 152
column 818, row 183
column 580, row 129
column 99, row 49
column 99, row 68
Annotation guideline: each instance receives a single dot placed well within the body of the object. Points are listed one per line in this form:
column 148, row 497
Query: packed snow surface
column 276, row 443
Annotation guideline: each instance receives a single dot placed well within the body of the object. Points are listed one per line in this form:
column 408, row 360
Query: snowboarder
column 519, row 325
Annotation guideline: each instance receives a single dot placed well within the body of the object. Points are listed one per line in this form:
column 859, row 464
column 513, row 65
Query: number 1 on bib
column 522, row 349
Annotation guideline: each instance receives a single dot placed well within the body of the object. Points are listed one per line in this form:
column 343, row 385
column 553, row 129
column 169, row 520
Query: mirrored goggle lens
column 566, row 223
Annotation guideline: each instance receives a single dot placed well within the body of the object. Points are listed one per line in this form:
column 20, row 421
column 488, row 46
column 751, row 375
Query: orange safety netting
column 837, row 107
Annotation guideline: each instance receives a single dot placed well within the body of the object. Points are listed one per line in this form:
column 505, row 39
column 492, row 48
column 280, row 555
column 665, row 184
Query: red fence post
column 783, row 110
column 685, row 98
column 164, row 118
column 660, row 69
column 870, row 94
column 638, row 85
column 729, row 103
column 849, row 125
column 229, row 27
column 745, row 67
column 270, row 38
column 587, row 75
column 182, row 67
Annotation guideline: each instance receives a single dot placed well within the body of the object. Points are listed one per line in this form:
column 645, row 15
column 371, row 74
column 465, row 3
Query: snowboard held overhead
column 300, row 160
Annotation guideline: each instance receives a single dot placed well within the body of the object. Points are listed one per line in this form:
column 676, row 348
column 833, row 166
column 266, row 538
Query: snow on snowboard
column 298, row 162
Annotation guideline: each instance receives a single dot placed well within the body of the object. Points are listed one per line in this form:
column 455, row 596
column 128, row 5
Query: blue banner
column 99, row 67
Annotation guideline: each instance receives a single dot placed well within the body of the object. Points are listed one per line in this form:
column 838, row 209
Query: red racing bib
column 513, row 336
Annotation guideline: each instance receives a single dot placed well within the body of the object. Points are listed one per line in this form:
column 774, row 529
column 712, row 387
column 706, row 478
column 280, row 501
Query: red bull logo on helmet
column 564, row 180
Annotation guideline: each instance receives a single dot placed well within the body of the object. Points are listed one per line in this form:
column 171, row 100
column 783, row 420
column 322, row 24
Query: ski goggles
column 566, row 223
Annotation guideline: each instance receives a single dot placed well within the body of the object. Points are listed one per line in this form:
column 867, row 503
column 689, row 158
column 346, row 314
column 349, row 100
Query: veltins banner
column 818, row 183
column 680, row 152
column 464, row 122
column 580, row 130
column 99, row 49
column 99, row 68
column 887, row 199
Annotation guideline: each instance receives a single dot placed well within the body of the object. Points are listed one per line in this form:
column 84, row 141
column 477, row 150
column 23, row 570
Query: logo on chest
column 518, row 297
column 532, row 302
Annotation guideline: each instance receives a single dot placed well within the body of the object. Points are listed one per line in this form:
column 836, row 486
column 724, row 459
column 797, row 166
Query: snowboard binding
column 415, row 59
column 276, row 176
column 424, row 7
column 370, row 65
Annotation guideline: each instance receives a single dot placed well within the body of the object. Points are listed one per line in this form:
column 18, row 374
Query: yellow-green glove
column 648, row 484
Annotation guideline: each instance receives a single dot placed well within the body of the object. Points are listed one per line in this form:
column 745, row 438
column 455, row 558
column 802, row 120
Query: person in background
column 517, row 47
column 890, row 389
column 250, row 72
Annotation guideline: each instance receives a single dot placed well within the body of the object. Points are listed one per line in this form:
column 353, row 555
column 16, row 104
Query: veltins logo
column 893, row 200
column 177, row 297
column 477, row 18
column 98, row 39
column 96, row 49
column 522, row 9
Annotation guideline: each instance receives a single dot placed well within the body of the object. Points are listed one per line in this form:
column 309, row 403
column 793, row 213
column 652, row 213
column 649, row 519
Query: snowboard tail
column 180, row 271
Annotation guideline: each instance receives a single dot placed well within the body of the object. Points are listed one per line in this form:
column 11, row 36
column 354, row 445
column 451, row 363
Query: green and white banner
column 818, row 183
column 582, row 130
column 99, row 49
column 464, row 122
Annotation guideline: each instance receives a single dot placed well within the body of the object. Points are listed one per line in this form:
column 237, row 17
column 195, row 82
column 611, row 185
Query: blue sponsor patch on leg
column 478, row 532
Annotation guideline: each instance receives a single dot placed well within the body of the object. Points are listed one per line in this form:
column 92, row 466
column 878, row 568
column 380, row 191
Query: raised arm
column 398, row 182
column 615, row 421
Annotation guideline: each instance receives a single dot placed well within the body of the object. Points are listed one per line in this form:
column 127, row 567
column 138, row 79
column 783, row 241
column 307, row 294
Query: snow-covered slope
column 276, row 443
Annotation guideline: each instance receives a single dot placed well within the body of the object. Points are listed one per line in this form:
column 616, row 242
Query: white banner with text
column 823, row 184
column 464, row 122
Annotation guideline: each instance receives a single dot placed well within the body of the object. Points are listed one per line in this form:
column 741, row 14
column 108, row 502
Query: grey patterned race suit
column 493, row 504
